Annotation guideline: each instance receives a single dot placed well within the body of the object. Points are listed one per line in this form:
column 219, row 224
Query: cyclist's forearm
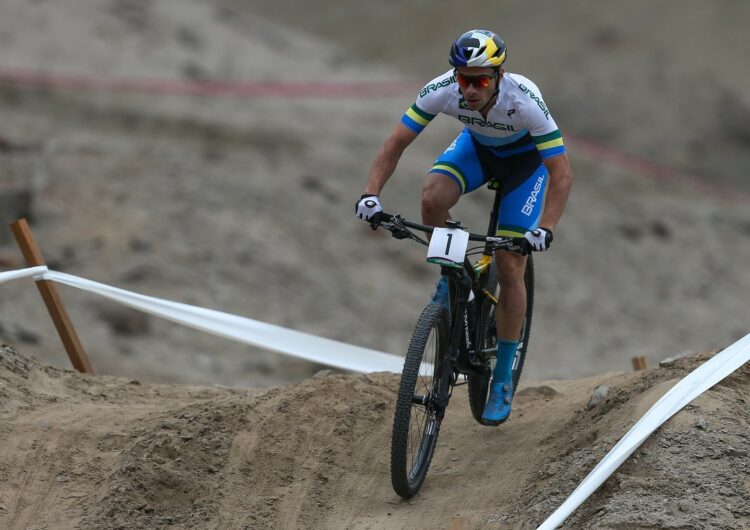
column 388, row 157
column 560, row 182
column 382, row 169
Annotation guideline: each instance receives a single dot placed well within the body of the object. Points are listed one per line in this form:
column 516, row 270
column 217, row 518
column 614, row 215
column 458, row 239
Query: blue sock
column 506, row 352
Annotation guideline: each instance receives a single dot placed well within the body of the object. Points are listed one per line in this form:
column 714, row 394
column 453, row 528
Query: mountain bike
column 448, row 344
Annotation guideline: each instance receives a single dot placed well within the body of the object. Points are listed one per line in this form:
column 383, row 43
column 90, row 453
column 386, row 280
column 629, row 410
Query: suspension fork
column 459, row 287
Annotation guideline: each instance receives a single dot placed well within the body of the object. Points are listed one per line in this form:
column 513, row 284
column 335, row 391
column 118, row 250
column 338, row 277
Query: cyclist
column 509, row 138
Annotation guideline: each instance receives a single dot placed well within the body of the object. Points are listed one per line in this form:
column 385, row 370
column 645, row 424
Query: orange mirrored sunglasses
column 477, row 81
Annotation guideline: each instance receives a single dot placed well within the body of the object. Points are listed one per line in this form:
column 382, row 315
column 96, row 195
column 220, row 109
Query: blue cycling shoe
column 497, row 409
column 441, row 293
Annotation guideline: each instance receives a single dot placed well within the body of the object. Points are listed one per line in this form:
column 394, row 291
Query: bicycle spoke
column 415, row 425
column 416, row 439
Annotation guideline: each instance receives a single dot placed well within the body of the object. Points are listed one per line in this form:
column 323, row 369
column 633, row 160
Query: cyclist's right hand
column 368, row 208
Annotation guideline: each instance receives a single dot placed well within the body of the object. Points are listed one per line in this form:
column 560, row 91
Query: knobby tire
column 415, row 426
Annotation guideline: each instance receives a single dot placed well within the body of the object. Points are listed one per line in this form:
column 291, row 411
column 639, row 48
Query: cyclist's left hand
column 539, row 239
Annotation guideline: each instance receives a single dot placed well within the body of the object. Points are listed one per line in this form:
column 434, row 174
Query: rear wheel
column 416, row 423
column 479, row 384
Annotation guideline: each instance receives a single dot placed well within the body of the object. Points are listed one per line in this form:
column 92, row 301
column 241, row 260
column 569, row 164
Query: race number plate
column 448, row 247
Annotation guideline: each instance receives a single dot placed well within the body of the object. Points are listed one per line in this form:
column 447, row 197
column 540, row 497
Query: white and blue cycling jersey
column 519, row 121
column 507, row 147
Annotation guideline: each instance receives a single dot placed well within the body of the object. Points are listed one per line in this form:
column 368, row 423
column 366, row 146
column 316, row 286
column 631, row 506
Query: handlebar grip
column 523, row 244
column 378, row 218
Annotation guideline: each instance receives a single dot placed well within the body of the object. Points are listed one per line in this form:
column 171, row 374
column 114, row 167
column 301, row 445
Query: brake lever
column 401, row 233
column 396, row 230
column 382, row 219
column 393, row 224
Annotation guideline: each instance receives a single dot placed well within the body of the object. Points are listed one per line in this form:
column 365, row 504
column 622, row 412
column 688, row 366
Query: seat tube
column 492, row 228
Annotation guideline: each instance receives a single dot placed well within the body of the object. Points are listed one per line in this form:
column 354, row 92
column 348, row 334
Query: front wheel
column 416, row 423
column 479, row 385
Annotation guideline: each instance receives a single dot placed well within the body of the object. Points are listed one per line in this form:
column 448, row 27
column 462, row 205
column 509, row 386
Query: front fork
column 446, row 374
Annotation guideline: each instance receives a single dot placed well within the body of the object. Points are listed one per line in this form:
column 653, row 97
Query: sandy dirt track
column 101, row 452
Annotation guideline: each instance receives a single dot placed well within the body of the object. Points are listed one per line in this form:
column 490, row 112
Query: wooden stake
column 65, row 329
column 639, row 363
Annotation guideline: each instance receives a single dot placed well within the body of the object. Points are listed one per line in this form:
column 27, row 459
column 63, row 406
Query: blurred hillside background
column 245, row 204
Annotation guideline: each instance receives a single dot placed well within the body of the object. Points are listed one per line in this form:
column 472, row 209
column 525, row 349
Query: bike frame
column 466, row 281
column 461, row 284
column 463, row 342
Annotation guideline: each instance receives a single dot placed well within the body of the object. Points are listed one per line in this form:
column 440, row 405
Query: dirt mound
column 109, row 453
column 690, row 474
column 274, row 460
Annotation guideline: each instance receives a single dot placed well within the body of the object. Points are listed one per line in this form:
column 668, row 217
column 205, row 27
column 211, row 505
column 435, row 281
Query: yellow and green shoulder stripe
column 416, row 119
column 550, row 144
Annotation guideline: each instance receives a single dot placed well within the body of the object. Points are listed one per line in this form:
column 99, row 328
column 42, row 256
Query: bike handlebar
column 399, row 228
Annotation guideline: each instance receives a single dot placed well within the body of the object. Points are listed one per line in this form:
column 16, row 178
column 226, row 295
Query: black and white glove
column 368, row 208
column 539, row 239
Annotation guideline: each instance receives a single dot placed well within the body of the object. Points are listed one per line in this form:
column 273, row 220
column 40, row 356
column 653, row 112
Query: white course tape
column 268, row 336
column 697, row 382
column 14, row 275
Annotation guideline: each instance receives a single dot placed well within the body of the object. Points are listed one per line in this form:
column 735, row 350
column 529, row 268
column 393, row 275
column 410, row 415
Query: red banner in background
column 336, row 89
column 307, row 89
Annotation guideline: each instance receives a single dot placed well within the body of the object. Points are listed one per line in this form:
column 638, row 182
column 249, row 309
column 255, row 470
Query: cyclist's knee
column 511, row 267
column 439, row 194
